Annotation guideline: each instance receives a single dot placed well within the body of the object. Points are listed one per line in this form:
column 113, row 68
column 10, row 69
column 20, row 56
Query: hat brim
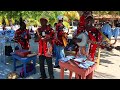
column 89, row 16
column 43, row 20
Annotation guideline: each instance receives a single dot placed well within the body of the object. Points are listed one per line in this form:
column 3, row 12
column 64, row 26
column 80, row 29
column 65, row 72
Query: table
column 3, row 43
column 2, row 49
column 24, row 60
column 79, row 72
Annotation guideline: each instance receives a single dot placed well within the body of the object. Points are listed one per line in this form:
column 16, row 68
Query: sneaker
column 57, row 66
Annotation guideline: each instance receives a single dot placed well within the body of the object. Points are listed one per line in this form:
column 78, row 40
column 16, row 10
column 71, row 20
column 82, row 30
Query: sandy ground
column 109, row 67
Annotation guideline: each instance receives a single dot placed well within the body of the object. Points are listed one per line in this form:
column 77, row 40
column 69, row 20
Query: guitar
column 64, row 38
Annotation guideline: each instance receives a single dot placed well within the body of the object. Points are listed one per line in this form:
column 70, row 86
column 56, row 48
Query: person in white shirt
column 83, row 43
column 54, row 46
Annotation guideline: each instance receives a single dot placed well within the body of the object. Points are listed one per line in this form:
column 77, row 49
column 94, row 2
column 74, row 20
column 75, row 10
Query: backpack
column 29, row 68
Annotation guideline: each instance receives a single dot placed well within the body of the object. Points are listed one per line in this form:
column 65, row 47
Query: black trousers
column 42, row 66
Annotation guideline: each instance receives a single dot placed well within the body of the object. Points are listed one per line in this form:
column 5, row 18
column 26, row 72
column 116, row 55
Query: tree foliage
column 33, row 17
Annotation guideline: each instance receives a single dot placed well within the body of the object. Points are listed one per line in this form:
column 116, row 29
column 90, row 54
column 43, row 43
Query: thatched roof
column 106, row 17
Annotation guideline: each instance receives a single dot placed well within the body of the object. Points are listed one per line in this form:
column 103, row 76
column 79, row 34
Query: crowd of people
column 52, row 41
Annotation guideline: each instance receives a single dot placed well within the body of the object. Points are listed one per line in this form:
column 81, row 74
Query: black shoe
column 51, row 77
column 57, row 66
column 43, row 77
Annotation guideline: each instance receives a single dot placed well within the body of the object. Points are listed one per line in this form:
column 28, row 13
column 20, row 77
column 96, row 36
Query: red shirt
column 59, row 26
column 81, row 24
column 21, row 34
column 60, row 32
column 43, row 48
column 94, row 35
column 48, row 31
column 22, row 37
column 82, row 20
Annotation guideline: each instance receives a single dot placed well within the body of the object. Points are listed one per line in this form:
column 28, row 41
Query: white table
column 4, row 43
column 2, row 49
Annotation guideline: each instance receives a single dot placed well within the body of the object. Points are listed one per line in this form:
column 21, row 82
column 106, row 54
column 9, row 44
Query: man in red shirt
column 95, row 37
column 82, row 21
column 59, row 41
column 81, row 27
column 22, row 36
column 46, row 35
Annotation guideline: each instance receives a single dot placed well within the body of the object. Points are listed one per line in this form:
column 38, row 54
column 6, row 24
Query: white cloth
column 84, row 38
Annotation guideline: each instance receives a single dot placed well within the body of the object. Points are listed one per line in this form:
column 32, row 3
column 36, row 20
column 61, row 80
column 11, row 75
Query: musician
column 80, row 28
column 95, row 37
column 82, row 42
column 46, row 35
column 22, row 36
column 54, row 45
column 59, row 41
column 82, row 22
column 81, row 25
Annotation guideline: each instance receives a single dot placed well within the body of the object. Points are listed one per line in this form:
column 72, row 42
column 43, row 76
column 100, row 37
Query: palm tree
column 72, row 15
